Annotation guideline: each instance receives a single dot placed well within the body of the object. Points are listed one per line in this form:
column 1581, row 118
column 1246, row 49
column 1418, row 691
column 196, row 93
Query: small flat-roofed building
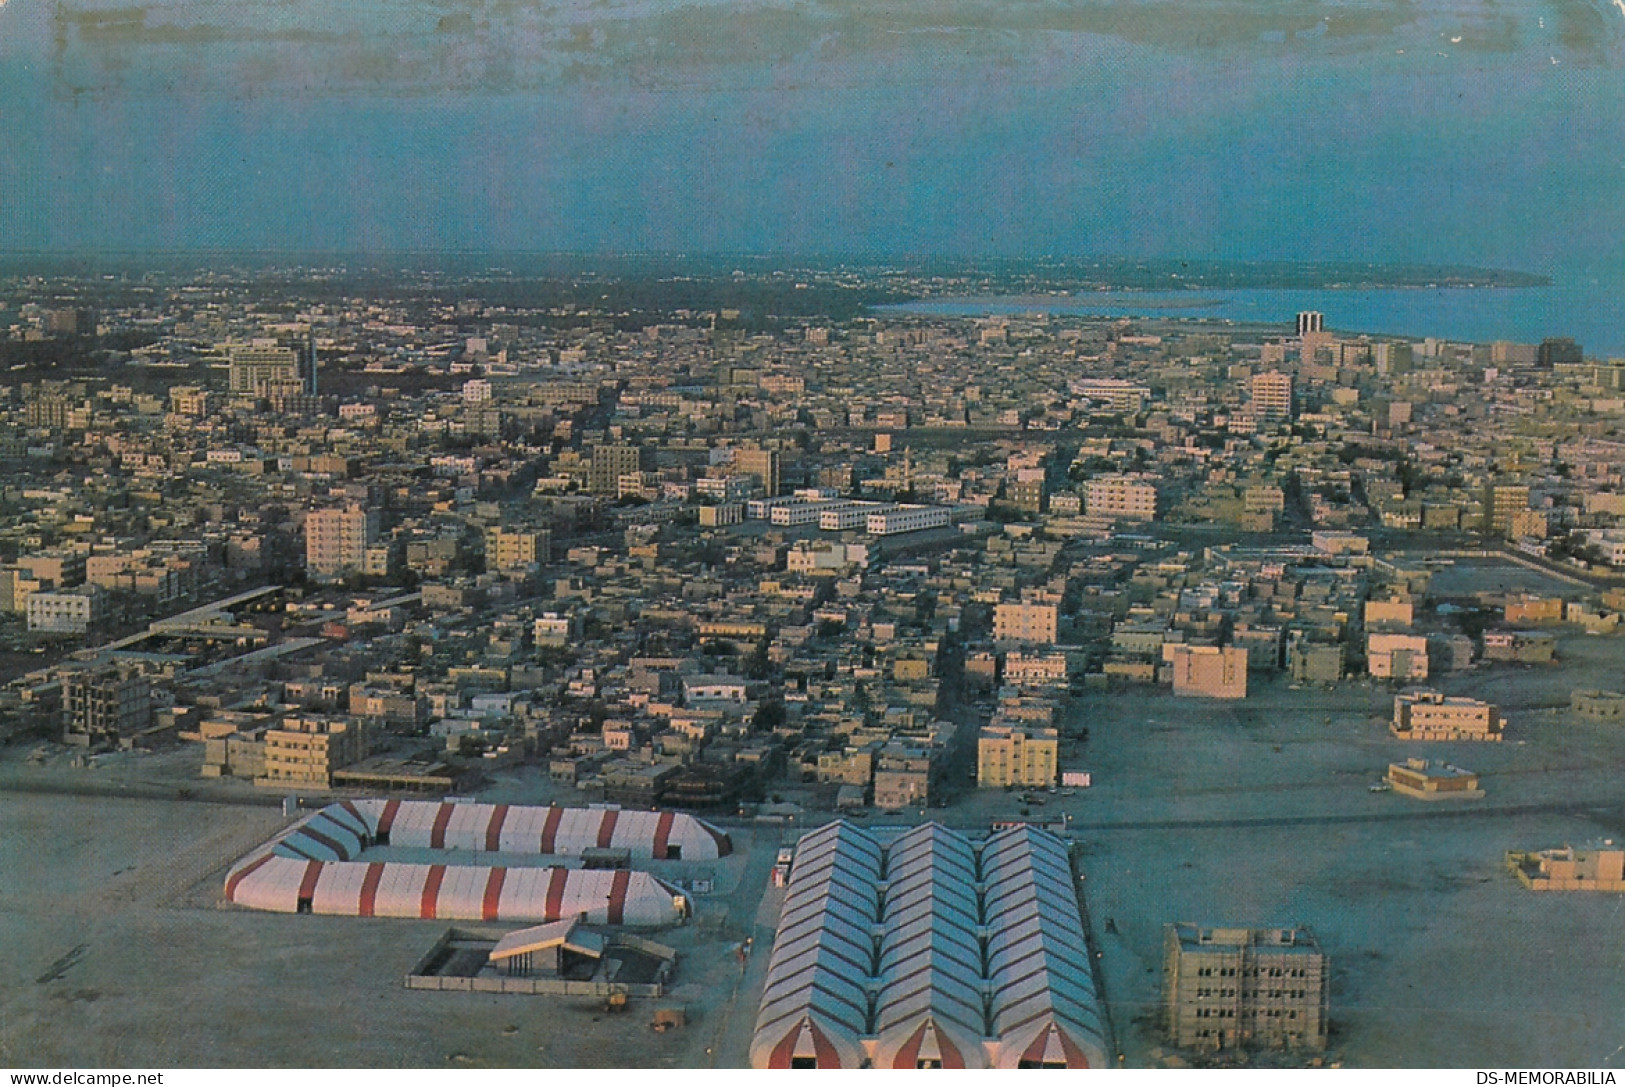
column 1595, row 868
column 1598, row 705
column 1231, row 987
column 1423, row 714
column 1428, row 780
column 1396, row 614
column 1520, row 646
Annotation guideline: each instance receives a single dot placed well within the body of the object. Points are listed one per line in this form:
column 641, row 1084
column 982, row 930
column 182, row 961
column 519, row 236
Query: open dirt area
column 115, row 950
column 1260, row 813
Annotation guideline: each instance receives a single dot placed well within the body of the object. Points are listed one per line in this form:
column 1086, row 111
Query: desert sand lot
column 1253, row 813
column 1260, row 813
column 115, row 952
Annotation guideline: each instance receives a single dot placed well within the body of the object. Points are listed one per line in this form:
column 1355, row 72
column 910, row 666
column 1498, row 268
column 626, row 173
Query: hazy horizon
column 1446, row 132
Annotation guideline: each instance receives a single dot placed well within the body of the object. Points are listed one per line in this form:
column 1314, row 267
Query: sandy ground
column 1260, row 814
column 115, row 950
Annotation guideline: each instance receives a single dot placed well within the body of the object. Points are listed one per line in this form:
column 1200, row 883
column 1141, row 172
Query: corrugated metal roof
column 931, row 950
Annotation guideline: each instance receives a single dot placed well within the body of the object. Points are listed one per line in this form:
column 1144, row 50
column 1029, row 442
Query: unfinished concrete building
column 1230, row 987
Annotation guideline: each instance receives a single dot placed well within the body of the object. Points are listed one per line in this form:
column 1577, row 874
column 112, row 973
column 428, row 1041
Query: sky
column 1488, row 132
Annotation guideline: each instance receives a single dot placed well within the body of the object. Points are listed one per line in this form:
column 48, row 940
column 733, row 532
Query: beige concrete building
column 1427, row 780
column 1397, row 656
column 1272, row 395
column 1227, row 987
column 903, row 776
column 1010, row 755
column 508, row 550
column 1208, row 671
column 255, row 366
column 763, row 464
column 1501, row 502
column 102, row 706
column 1395, row 614
column 1122, row 498
column 1035, row 624
column 336, row 540
column 1598, row 705
column 609, row 464
column 1423, row 714
column 306, row 751
column 1597, row 868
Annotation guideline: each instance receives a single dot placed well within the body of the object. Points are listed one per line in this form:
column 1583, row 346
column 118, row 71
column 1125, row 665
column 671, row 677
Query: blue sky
column 1450, row 131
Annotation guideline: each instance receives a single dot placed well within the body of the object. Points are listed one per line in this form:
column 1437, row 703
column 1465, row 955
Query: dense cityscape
column 828, row 682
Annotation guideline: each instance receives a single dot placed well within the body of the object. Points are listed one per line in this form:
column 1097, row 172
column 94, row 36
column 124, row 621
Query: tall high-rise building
column 1272, row 395
column 260, row 364
column 1310, row 321
column 336, row 540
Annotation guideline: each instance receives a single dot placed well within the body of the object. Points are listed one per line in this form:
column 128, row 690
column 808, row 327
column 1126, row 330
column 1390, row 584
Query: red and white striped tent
column 315, row 866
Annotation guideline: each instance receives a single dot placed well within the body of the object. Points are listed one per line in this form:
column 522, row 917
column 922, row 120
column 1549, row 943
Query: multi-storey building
column 336, row 540
column 1010, row 755
column 1272, row 395
column 892, row 522
column 1228, row 987
column 69, row 611
column 609, row 464
column 1122, row 498
column 306, row 750
column 763, row 464
column 1035, row 624
column 1208, row 671
column 1397, row 656
column 262, row 364
column 102, row 705
column 1502, row 501
column 514, row 549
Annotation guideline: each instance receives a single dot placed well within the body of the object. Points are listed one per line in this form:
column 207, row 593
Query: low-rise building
column 1598, row 705
column 1427, row 780
column 1596, row 868
column 1422, row 714
column 1520, row 646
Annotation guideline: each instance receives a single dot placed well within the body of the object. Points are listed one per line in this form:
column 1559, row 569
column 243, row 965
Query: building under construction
column 930, row 951
column 1228, row 987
